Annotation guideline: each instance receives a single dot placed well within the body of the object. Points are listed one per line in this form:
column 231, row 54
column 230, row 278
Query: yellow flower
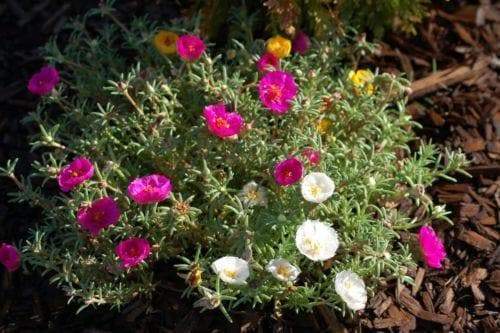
column 362, row 78
column 165, row 42
column 324, row 125
column 279, row 46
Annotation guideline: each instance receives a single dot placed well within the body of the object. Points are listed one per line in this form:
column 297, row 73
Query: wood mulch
column 458, row 104
column 455, row 96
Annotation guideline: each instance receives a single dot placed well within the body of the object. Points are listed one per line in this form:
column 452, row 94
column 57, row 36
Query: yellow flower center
column 274, row 93
column 315, row 190
column 252, row 195
column 221, row 123
column 283, row 271
column 231, row 273
column 311, row 246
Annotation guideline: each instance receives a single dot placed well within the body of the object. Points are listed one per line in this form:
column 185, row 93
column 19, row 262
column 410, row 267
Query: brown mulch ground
column 458, row 104
column 456, row 97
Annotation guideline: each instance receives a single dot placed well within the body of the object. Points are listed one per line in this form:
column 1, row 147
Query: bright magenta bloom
column 75, row 173
column 222, row 123
column 99, row 215
column 10, row 257
column 431, row 246
column 190, row 47
column 150, row 189
column 276, row 90
column 313, row 156
column 288, row 172
column 133, row 251
column 301, row 43
column 42, row 82
column 268, row 62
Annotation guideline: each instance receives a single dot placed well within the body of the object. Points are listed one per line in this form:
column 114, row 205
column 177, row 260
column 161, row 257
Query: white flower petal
column 232, row 270
column 351, row 289
column 317, row 187
column 283, row 270
column 316, row 240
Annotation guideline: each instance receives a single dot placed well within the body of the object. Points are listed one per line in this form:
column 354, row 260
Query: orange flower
column 165, row 42
column 279, row 46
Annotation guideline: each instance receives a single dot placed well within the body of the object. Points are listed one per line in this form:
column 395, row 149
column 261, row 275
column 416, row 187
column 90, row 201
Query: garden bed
column 458, row 107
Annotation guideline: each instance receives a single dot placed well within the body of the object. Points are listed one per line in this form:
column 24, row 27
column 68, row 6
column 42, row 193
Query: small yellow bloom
column 362, row 79
column 279, row 46
column 165, row 42
column 324, row 125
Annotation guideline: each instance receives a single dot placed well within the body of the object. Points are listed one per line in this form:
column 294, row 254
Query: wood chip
column 473, row 238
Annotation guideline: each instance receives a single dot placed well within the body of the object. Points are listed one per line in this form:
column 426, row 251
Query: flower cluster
column 260, row 182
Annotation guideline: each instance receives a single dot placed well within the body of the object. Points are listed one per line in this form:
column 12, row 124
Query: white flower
column 317, row 187
column 316, row 240
column 283, row 270
column 232, row 270
column 351, row 289
column 253, row 194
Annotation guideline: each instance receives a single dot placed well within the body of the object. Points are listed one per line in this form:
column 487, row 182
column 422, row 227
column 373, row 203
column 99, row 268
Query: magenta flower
column 276, row 90
column 150, row 189
column 10, row 257
column 222, row 123
column 133, row 251
column 288, row 172
column 99, row 215
column 190, row 47
column 431, row 246
column 42, row 82
column 301, row 43
column 268, row 63
column 313, row 156
column 75, row 173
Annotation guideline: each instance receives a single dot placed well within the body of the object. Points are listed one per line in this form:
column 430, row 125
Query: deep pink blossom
column 42, row 82
column 150, row 189
column 432, row 247
column 313, row 156
column 268, row 62
column 10, row 257
column 301, row 43
column 276, row 90
column 75, row 173
column 222, row 123
column 99, row 215
column 288, row 172
column 133, row 251
column 190, row 47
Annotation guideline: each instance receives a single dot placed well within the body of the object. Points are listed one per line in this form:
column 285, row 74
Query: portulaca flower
column 351, row 289
column 317, row 187
column 283, row 270
column 232, row 270
column 316, row 240
column 253, row 194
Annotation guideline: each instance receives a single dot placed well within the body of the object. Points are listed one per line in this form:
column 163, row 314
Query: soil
column 455, row 96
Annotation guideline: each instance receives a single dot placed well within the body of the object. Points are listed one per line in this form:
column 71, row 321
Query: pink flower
column 268, row 62
column 10, row 257
column 42, row 82
column 133, row 251
column 99, row 215
column 150, row 189
column 301, row 43
column 190, row 47
column 222, row 123
column 75, row 173
column 431, row 246
column 313, row 156
column 276, row 90
column 288, row 172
